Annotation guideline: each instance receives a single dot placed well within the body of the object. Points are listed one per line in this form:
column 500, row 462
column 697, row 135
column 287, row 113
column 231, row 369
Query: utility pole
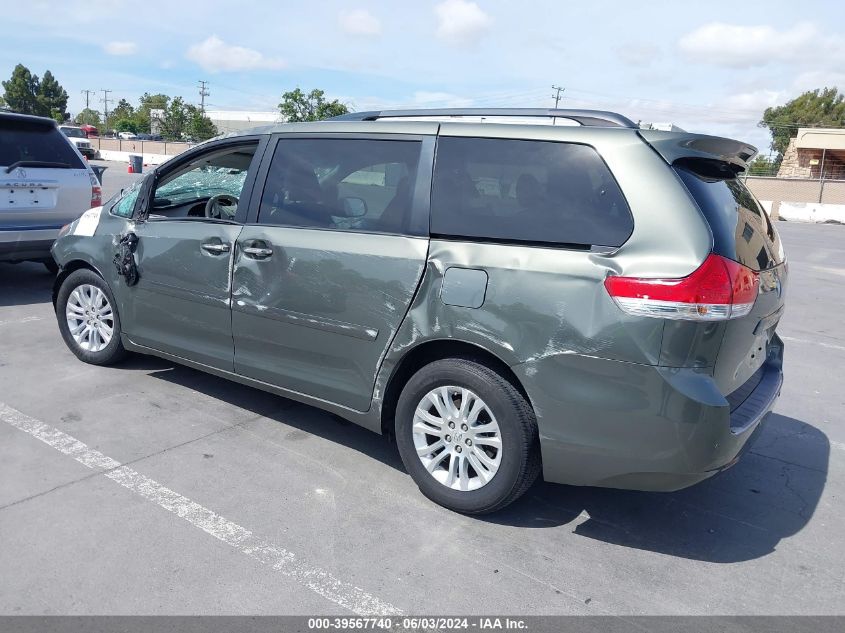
column 556, row 96
column 87, row 94
column 203, row 94
column 105, row 101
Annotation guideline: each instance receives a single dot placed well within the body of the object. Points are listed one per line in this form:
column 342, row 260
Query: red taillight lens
column 718, row 289
column 96, row 191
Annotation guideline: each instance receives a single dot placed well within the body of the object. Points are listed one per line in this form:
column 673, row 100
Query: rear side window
column 345, row 184
column 24, row 140
column 741, row 229
column 526, row 191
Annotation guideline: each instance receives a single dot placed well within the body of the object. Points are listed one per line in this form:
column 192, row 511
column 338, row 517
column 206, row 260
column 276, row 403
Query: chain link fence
column 799, row 190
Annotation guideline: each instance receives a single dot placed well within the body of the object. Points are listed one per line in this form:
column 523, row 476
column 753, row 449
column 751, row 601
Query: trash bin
column 98, row 172
column 137, row 162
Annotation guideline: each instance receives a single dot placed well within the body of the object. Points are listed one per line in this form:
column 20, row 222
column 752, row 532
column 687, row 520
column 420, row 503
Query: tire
column 51, row 266
column 92, row 348
column 516, row 460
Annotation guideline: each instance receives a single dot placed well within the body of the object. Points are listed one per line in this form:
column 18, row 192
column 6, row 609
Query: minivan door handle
column 257, row 252
column 215, row 248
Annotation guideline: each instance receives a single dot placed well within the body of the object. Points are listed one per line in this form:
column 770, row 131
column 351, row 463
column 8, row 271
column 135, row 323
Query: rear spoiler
column 682, row 147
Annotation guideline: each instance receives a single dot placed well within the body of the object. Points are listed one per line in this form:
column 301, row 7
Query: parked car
column 44, row 184
column 90, row 131
column 78, row 137
column 594, row 302
column 127, row 136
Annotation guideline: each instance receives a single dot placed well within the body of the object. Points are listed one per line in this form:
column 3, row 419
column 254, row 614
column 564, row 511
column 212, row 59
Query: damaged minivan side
column 590, row 302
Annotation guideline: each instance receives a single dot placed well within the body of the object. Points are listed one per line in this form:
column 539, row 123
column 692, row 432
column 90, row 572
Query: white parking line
column 23, row 320
column 278, row 558
column 792, row 339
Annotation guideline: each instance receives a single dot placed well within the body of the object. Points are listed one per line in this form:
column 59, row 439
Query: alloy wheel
column 457, row 438
column 90, row 318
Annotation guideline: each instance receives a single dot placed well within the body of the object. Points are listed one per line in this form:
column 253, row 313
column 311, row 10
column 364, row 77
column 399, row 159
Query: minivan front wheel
column 88, row 319
column 467, row 436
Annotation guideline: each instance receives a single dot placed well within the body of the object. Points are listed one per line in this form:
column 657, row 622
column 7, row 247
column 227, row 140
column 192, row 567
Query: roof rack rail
column 593, row 118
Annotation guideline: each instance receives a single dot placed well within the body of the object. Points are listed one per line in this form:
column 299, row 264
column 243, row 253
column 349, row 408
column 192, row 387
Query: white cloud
column 213, row 55
column 752, row 103
column 638, row 54
column 736, row 46
column 360, row 22
column 120, row 48
column 461, row 22
column 812, row 79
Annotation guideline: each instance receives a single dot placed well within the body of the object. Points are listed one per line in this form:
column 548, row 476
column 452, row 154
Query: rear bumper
column 18, row 246
column 622, row 425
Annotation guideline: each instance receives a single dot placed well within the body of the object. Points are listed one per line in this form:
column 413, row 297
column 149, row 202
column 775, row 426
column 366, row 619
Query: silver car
column 44, row 184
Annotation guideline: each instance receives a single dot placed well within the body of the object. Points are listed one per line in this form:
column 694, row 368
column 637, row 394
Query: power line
column 87, row 94
column 203, row 94
column 556, row 96
column 105, row 100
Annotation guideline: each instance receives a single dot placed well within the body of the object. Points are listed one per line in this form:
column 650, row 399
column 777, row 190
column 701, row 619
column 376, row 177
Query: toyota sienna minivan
column 505, row 295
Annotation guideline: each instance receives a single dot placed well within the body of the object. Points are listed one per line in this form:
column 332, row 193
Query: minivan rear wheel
column 88, row 318
column 467, row 436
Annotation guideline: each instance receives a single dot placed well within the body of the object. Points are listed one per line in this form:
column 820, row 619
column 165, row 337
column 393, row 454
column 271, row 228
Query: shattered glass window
column 203, row 182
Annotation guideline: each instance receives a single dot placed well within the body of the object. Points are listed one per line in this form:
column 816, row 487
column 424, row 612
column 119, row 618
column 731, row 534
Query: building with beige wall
column 815, row 153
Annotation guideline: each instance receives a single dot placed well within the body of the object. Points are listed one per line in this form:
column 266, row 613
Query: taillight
column 717, row 290
column 96, row 191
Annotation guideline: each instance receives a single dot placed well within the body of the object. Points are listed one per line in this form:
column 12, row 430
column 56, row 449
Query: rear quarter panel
column 542, row 302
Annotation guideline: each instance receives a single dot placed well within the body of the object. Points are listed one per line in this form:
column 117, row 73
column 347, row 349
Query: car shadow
column 303, row 418
column 738, row 515
column 26, row 283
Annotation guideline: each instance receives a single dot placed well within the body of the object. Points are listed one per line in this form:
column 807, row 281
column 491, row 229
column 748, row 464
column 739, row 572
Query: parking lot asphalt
column 150, row 488
column 115, row 177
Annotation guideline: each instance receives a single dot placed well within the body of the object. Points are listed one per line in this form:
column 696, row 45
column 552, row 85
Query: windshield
column 203, row 182
column 73, row 132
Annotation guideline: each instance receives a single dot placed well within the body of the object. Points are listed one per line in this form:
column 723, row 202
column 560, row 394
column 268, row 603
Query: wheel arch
column 65, row 272
column 433, row 350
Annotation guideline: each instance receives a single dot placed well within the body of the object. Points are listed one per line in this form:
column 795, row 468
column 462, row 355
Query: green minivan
column 506, row 292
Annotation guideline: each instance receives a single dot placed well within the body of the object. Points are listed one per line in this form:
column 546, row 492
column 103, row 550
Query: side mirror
column 354, row 207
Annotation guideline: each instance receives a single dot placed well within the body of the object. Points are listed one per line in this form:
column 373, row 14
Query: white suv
column 44, row 184
column 78, row 137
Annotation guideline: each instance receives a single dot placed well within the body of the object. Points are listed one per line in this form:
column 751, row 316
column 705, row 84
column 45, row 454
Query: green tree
column 200, row 127
column 21, row 91
column 174, row 123
column 87, row 117
column 297, row 106
column 145, row 104
column 814, row 108
column 126, row 125
column 52, row 98
column 123, row 111
column 764, row 166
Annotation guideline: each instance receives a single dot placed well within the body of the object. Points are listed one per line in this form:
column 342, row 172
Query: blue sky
column 708, row 67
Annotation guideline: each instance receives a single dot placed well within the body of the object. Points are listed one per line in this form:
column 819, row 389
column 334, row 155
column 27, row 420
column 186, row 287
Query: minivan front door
column 181, row 303
column 324, row 278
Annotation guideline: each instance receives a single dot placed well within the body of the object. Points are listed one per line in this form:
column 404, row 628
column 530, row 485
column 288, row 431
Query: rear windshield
column 23, row 140
column 741, row 228
column 526, row 192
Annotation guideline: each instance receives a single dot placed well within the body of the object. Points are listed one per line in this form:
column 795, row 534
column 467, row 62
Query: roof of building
column 820, row 138
column 245, row 115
